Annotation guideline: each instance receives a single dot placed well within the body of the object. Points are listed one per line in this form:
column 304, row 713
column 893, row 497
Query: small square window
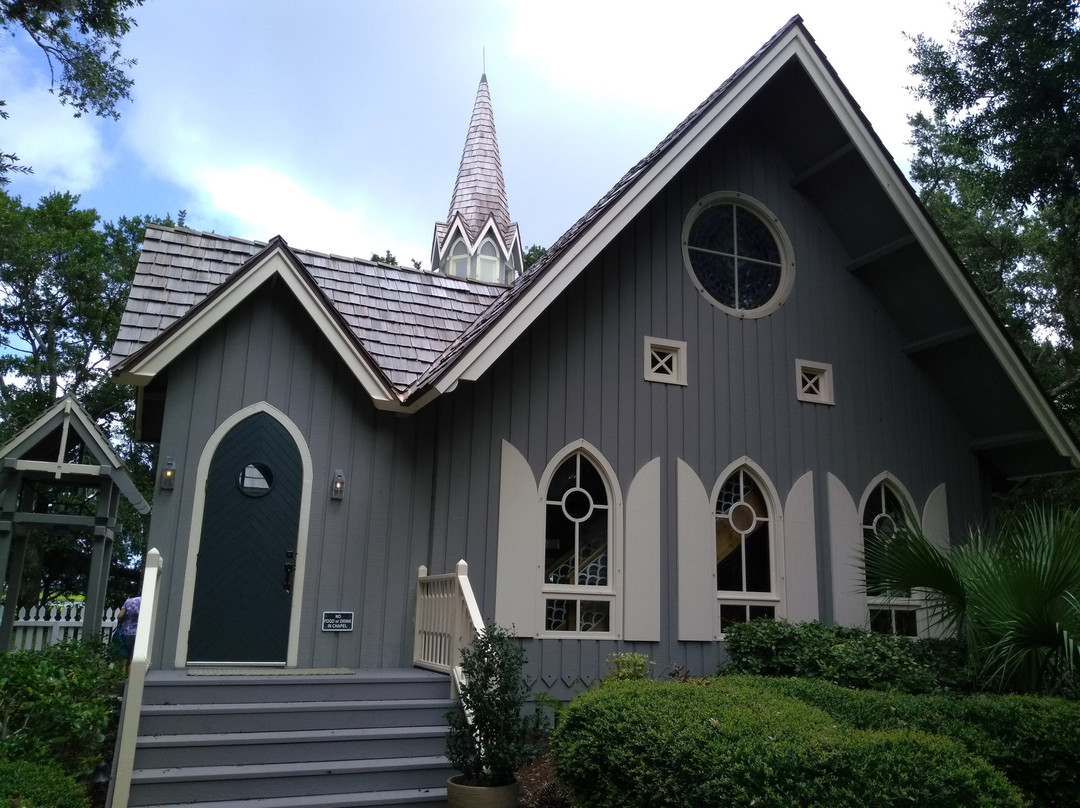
column 814, row 382
column 665, row 361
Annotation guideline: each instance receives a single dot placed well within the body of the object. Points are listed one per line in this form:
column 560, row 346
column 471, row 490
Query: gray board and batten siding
column 577, row 374
column 445, row 442
column 363, row 551
column 423, row 488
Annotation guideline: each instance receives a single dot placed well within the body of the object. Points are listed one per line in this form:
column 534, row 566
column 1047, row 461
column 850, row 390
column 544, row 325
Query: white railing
column 35, row 627
column 447, row 620
column 124, row 759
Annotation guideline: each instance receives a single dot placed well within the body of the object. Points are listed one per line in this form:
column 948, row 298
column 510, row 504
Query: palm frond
column 1013, row 592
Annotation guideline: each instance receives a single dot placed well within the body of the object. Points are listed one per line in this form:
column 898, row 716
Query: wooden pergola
column 62, row 452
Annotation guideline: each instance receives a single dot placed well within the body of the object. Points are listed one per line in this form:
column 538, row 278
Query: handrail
column 447, row 619
column 124, row 759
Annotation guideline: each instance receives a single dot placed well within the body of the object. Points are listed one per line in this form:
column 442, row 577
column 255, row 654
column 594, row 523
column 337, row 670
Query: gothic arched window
column 884, row 510
column 578, row 542
column 746, row 551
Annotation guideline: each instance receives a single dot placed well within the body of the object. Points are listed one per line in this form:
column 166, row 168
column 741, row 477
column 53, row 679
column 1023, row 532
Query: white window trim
column 677, row 350
column 613, row 591
column 824, row 372
column 777, row 577
column 783, row 243
column 916, row 601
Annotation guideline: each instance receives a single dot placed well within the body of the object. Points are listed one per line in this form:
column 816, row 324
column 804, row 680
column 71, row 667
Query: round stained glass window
column 738, row 255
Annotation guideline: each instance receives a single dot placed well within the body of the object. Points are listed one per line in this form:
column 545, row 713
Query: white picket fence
column 38, row 626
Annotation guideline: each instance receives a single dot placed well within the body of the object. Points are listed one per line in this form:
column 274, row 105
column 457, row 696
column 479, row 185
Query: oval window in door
column 256, row 480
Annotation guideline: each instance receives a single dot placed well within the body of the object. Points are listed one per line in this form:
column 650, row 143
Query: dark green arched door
column 247, row 552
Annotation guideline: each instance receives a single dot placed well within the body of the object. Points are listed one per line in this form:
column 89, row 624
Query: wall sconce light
column 337, row 485
column 168, row 474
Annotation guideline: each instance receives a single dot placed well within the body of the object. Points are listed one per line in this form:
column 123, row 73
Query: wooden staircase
column 368, row 738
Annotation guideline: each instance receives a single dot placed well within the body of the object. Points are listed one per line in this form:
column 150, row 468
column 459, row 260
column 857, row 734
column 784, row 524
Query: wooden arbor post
column 62, row 449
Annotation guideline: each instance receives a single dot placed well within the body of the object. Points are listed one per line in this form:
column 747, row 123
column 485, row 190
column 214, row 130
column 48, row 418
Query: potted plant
column 490, row 735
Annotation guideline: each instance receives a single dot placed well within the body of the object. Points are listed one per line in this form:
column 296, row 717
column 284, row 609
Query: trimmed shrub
column 37, row 785
column 731, row 743
column 1032, row 740
column 59, row 705
column 498, row 736
column 628, row 665
column 846, row 656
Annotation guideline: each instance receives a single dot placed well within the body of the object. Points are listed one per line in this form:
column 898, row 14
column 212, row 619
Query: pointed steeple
column 478, row 240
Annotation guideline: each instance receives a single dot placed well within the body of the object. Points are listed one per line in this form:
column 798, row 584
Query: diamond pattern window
column 665, row 361
column 814, row 382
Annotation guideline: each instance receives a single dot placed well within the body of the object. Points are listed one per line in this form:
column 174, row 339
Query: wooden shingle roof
column 480, row 191
column 403, row 318
column 412, row 336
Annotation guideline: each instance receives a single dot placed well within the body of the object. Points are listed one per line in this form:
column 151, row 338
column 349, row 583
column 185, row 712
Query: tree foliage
column 534, row 254
column 80, row 40
column 64, row 279
column 389, row 258
column 998, row 165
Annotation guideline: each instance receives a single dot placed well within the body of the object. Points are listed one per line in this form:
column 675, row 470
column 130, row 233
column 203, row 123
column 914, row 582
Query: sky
column 339, row 124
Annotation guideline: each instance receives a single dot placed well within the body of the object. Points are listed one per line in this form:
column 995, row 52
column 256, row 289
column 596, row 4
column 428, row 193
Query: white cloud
column 259, row 202
column 325, row 131
column 66, row 153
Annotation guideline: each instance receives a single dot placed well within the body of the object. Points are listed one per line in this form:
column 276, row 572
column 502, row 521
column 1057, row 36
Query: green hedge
column 847, row 656
column 733, row 744
column 37, row 785
column 59, row 705
column 1033, row 740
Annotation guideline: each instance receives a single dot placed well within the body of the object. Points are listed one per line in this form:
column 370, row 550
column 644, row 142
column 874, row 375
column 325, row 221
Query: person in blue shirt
column 128, row 620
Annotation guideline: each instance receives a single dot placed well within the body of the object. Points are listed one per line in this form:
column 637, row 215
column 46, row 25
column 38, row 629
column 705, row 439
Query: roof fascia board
column 34, row 429
column 275, row 262
column 62, row 412
column 590, row 244
column 68, row 414
column 89, row 432
column 490, row 228
column 455, row 229
column 897, row 189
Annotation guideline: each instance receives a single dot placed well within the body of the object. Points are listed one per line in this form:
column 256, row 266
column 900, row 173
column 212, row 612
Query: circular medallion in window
column 256, row 480
column 738, row 255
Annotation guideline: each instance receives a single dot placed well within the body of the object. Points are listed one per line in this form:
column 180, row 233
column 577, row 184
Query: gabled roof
column 40, row 449
column 845, row 169
column 390, row 322
column 839, row 164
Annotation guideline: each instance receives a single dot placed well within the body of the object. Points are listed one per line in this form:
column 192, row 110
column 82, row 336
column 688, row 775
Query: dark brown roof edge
column 221, row 289
column 486, row 321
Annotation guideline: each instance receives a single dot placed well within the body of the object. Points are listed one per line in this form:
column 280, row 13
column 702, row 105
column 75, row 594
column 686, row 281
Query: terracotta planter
column 462, row 796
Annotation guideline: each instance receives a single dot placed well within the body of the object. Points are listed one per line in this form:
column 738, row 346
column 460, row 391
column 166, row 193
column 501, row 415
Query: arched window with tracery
column 885, row 508
column 747, row 528
column 578, row 586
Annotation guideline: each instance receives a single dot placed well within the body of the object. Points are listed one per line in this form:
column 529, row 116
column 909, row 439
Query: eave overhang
column 552, row 277
column 275, row 261
column 1012, row 446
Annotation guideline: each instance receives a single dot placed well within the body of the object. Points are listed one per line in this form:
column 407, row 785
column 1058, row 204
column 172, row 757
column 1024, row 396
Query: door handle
column 290, row 568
